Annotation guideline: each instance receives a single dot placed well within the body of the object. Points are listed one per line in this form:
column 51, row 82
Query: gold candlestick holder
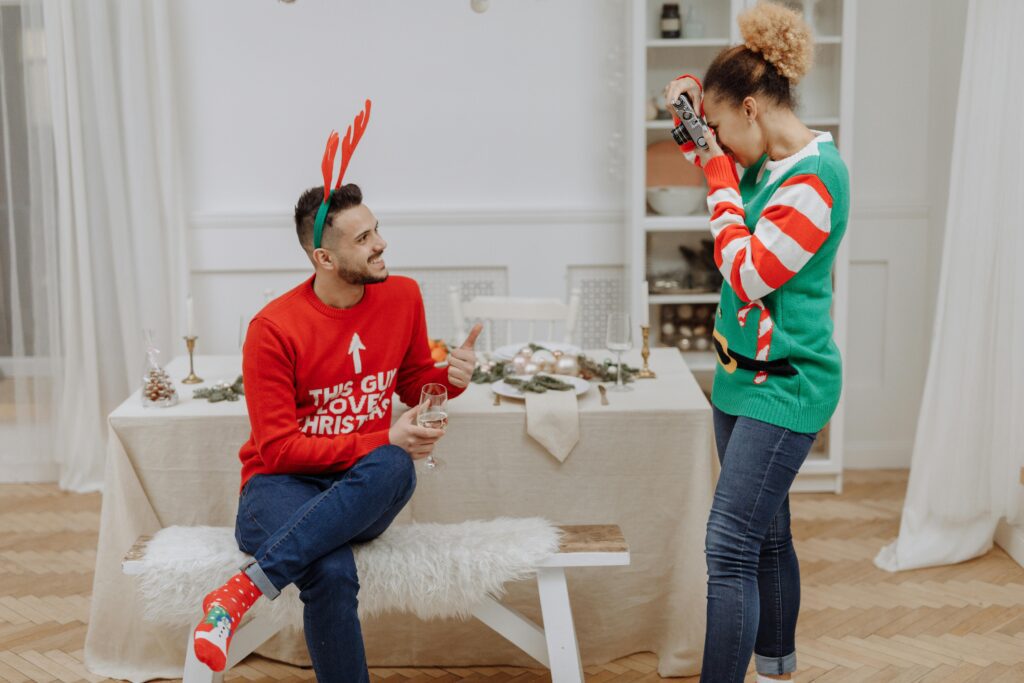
column 193, row 378
column 645, row 353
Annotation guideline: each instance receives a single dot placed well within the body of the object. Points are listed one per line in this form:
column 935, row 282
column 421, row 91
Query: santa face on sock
column 219, row 618
column 224, row 608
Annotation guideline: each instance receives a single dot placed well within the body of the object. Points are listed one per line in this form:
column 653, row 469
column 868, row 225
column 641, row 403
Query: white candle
column 189, row 318
column 645, row 311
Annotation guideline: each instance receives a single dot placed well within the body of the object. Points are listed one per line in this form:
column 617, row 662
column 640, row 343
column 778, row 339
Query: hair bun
column 781, row 36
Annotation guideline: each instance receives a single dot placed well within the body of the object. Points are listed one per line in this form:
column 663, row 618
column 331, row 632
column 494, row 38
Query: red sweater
column 319, row 380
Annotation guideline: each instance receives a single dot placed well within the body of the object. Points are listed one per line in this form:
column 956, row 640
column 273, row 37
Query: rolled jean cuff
column 255, row 573
column 772, row 666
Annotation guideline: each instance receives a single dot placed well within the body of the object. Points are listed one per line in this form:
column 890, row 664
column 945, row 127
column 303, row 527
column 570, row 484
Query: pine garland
column 538, row 384
column 590, row 369
column 221, row 391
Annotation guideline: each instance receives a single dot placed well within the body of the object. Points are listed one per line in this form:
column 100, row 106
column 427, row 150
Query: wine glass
column 619, row 340
column 433, row 414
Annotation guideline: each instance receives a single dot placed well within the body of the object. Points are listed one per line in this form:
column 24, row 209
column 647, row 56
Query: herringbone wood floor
column 957, row 624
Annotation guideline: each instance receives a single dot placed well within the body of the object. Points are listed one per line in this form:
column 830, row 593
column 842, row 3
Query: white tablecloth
column 646, row 462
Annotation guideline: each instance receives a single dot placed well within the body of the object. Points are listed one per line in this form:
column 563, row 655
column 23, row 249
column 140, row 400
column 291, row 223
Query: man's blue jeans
column 753, row 573
column 300, row 529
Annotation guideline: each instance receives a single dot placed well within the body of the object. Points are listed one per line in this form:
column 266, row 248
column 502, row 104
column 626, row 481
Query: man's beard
column 363, row 277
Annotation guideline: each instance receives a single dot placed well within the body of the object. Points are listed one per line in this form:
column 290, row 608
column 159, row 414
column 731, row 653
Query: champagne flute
column 433, row 414
column 619, row 340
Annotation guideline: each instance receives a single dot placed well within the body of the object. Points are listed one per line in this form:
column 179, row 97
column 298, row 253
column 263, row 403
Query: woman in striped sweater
column 777, row 224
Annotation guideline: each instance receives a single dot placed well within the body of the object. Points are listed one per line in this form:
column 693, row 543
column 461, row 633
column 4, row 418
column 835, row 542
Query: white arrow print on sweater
column 353, row 350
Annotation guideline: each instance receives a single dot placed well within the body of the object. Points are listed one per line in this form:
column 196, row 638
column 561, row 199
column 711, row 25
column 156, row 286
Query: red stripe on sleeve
column 721, row 172
column 798, row 226
column 734, row 279
column 726, row 207
column 725, row 238
column 812, row 181
column 768, row 266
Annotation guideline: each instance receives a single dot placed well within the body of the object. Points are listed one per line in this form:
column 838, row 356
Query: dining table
column 644, row 461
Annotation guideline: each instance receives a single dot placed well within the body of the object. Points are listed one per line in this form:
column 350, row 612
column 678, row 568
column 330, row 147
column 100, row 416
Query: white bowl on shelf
column 679, row 200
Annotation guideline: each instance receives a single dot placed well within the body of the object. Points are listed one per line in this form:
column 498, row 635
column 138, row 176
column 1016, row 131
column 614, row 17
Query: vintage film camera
column 691, row 126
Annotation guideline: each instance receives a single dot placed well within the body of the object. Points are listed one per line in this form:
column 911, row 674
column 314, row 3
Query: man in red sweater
column 324, row 467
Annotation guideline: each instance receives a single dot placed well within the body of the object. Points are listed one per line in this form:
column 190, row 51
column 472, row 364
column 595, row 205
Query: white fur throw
column 431, row 570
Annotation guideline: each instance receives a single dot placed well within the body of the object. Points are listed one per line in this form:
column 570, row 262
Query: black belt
column 731, row 360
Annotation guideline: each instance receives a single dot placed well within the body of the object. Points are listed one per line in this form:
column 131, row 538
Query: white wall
column 493, row 154
column 908, row 62
column 510, row 108
column 889, row 223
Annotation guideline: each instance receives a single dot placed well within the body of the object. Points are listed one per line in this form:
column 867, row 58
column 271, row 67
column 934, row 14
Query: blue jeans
column 300, row 529
column 753, row 573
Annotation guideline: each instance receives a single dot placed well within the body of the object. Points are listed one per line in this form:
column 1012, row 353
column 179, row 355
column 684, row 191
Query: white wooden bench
column 554, row 646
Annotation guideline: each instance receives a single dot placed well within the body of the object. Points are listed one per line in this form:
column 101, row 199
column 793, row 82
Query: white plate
column 581, row 386
column 509, row 351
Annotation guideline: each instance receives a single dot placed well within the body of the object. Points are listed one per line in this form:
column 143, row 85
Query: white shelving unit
column 825, row 103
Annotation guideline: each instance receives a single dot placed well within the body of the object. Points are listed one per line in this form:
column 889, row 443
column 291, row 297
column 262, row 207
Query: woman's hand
column 684, row 86
column 713, row 150
column 691, row 88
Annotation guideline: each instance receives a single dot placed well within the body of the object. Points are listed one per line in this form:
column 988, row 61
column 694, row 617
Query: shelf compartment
column 688, row 42
column 697, row 222
column 818, row 94
column 825, row 17
column 695, row 298
column 710, row 18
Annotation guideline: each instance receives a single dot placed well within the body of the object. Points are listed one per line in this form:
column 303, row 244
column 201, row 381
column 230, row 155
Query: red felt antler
column 348, row 145
column 327, row 166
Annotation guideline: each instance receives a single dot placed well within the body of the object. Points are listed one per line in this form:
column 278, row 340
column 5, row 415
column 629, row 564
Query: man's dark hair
column 309, row 203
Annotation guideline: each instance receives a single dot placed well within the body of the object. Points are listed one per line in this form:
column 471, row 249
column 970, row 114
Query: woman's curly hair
column 777, row 51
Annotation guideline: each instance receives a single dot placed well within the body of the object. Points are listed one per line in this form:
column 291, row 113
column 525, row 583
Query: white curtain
column 27, row 335
column 969, row 448
column 103, row 233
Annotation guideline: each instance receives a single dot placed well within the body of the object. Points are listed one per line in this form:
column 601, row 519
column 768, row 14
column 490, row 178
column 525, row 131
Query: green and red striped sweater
column 777, row 231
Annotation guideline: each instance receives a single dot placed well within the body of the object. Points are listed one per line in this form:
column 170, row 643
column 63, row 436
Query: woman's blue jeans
column 753, row 573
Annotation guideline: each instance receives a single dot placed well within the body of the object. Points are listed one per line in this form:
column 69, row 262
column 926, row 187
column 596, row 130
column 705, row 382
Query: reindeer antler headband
column 348, row 146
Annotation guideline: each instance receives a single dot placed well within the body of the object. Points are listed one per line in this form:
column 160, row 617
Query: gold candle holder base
column 645, row 353
column 193, row 378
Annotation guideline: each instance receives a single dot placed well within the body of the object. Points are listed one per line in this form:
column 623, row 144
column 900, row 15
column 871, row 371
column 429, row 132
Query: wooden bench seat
column 554, row 646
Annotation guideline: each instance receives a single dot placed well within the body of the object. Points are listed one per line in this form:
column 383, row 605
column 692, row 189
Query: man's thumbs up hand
column 462, row 361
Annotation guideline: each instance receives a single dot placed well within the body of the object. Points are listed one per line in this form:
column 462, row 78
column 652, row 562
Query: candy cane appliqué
column 764, row 334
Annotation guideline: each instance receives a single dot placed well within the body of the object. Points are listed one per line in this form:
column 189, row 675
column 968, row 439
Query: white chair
column 495, row 309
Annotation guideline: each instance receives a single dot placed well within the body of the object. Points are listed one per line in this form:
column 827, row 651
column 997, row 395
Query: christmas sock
column 224, row 609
